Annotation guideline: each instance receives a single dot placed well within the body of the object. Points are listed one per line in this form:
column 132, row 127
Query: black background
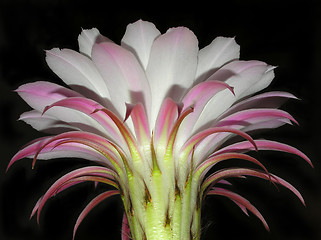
column 286, row 34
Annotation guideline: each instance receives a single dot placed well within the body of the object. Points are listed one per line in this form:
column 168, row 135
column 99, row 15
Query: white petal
column 241, row 75
column 88, row 38
column 125, row 78
column 78, row 72
column 221, row 51
column 138, row 38
column 172, row 66
column 45, row 123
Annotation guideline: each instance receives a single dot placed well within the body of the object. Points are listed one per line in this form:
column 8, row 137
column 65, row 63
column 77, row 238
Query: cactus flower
column 154, row 115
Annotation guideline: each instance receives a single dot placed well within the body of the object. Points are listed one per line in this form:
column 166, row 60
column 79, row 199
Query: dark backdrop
column 286, row 34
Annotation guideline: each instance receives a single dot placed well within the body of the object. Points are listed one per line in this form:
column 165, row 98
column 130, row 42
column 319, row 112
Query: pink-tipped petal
column 91, row 205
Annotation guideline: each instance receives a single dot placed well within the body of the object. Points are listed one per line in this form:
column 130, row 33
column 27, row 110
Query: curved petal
column 221, row 51
column 124, row 76
column 138, row 38
column 263, row 145
column 45, row 123
column 264, row 100
column 240, row 75
column 79, row 72
column 240, row 201
column 40, row 94
column 172, row 66
column 91, row 205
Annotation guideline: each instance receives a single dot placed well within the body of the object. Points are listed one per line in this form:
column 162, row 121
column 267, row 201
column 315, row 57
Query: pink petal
column 40, row 94
column 91, row 205
column 251, row 116
column 138, row 38
column 196, row 139
column 86, row 171
column 89, row 108
column 125, row 230
column 205, row 166
column 263, row 100
column 172, row 66
column 264, row 145
column 237, row 172
column 240, row 201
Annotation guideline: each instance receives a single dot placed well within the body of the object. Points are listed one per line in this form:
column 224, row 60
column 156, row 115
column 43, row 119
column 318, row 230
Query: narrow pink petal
column 196, row 139
column 251, row 116
column 141, row 125
column 205, row 166
column 125, row 230
column 240, row 201
column 264, row 145
column 94, row 142
column 89, row 108
column 237, row 172
column 107, row 173
column 264, row 100
column 91, row 205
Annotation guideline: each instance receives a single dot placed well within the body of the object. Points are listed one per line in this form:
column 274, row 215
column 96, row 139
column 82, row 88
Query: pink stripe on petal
column 140, row 122
column 167, row 116
column 91, row 205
